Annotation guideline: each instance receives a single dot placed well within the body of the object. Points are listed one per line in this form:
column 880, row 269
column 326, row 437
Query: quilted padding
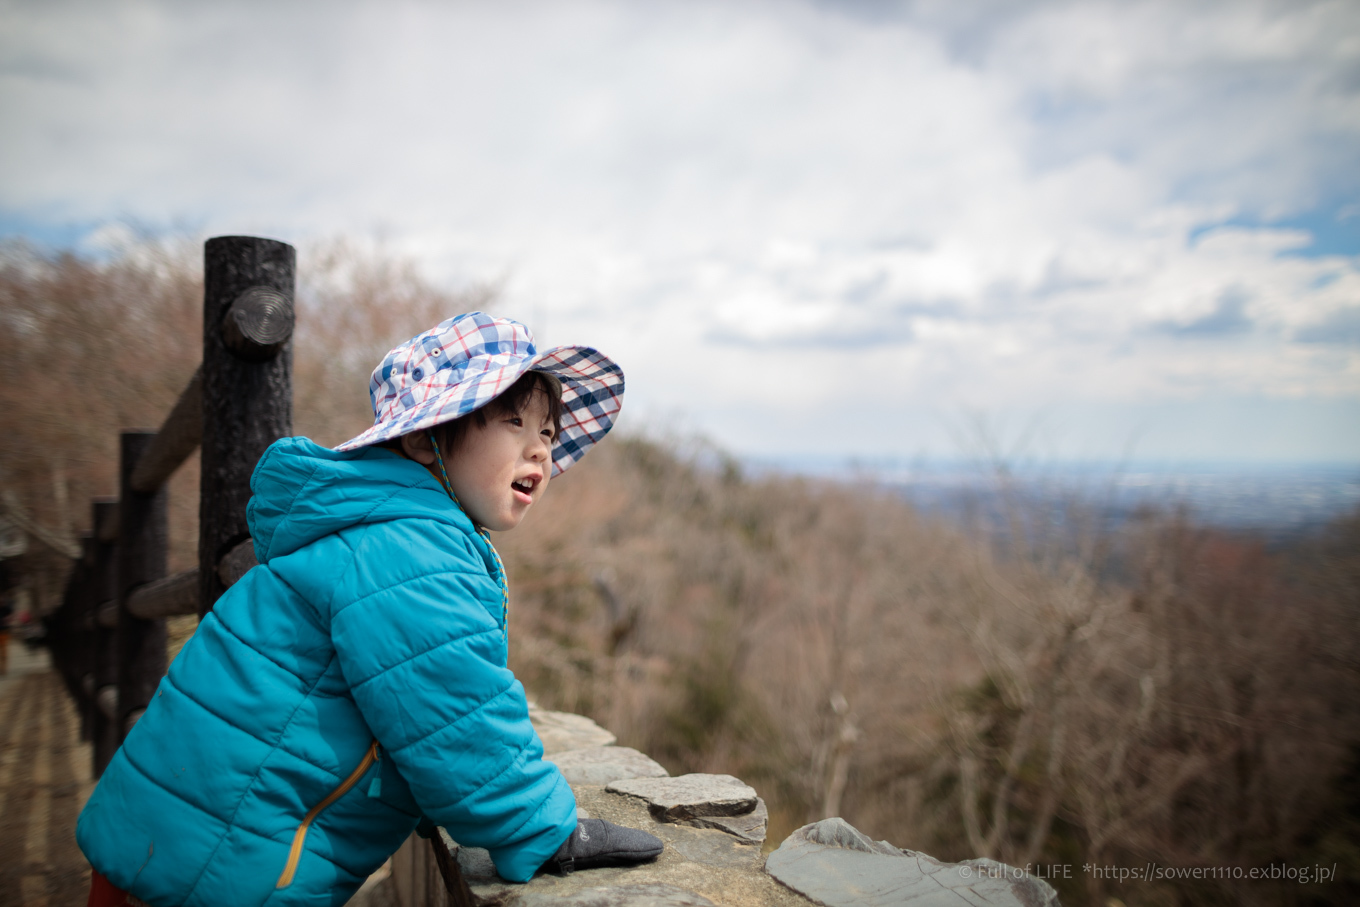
column 374, row 614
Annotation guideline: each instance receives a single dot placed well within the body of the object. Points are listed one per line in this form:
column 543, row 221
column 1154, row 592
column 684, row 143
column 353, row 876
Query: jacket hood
column 303, row 491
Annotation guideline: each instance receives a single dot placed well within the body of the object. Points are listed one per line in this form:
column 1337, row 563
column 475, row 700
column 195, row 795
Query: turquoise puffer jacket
column 356, row 677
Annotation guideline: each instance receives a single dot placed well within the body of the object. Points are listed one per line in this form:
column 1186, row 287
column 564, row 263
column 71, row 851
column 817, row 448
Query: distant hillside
column 1067, row 691
column 1157, row 692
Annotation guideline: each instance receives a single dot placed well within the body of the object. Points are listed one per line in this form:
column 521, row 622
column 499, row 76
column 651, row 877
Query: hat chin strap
column 443, row 473
column 482, row 531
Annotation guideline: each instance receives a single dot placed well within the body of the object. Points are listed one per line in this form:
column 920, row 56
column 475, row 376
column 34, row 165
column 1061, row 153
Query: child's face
column 500, row 469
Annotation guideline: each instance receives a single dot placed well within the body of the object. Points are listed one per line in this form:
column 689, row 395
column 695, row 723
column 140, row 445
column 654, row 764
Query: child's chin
column 506, row 522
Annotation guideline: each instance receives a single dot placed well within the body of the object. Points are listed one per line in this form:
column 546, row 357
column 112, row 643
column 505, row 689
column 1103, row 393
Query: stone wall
column 713, row 827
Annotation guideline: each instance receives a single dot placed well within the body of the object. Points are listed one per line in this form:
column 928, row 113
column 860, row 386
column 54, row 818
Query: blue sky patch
column 1334, row 228
column 47, row 236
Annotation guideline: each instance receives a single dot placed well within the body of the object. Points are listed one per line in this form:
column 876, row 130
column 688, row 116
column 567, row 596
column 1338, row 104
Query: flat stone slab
column 690, row 796
column 708, row 848
column 603, row 764
column 748, row 828
column 621, row 896
column 561, row 731
column 834, row 864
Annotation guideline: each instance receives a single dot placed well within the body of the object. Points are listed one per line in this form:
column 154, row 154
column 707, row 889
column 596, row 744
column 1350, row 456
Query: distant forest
column 1065, row 692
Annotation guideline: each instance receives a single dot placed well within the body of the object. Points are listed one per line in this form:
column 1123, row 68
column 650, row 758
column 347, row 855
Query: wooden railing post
column 240, row 402
column 142, row 558
column 72, row 634
column 247, row 382
column 104, row 698
column 84, row 661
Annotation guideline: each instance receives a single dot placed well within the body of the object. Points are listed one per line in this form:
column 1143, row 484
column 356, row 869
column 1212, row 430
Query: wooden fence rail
column 108, row 639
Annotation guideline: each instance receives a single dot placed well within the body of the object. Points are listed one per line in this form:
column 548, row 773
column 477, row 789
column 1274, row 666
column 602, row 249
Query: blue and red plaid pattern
column 467, row 361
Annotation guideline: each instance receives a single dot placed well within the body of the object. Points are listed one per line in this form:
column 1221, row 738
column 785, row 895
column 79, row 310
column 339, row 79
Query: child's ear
column 417, row 446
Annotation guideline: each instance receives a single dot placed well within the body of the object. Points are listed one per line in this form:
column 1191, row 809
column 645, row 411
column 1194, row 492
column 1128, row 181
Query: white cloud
column 980, row 206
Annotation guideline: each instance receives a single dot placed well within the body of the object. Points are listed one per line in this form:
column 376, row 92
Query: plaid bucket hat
column 464, row 363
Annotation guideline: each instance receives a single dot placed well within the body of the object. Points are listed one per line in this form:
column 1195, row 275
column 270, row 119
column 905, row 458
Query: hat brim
column 592, row 396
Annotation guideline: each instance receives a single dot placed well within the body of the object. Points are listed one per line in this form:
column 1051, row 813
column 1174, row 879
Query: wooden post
column 72, row 635
column 87, row 662
column 247, row 386
column 103, row 721
column 142, row 555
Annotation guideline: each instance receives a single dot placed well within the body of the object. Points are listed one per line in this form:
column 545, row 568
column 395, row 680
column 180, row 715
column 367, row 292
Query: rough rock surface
column 690, row 796
column 561, row 731
column 709, row 847
column 711, row 826
column 750, row 827
column 622, row 896
column 711, row 865
column 603, row 764
column 834, row 864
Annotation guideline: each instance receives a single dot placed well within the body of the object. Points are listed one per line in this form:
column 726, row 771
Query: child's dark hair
column 450, row 434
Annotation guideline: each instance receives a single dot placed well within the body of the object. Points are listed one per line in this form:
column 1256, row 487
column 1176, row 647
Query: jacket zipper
column 300, row 836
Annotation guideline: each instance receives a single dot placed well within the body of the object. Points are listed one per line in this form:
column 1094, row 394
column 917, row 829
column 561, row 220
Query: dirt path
column 44, row 780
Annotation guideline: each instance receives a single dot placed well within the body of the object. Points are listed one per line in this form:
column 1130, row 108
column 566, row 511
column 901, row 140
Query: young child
column 356, row 680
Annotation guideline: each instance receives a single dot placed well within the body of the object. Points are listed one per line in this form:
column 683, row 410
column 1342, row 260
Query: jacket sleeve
column 417, row 634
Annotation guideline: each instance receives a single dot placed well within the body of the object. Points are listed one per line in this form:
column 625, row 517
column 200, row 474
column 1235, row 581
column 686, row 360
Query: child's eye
column 516, row 421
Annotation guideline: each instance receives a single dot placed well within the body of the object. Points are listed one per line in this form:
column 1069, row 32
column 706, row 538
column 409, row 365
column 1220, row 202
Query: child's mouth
column 524, row 488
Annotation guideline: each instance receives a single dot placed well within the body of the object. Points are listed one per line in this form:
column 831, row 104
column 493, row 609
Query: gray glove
column 596, row 842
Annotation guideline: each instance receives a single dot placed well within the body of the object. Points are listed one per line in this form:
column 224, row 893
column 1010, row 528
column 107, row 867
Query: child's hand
column 596, row 842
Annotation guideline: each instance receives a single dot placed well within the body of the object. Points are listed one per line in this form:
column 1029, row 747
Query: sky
column 805, row 229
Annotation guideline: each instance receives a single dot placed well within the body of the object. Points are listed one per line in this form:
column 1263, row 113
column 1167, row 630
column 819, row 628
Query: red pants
column 103, row 894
